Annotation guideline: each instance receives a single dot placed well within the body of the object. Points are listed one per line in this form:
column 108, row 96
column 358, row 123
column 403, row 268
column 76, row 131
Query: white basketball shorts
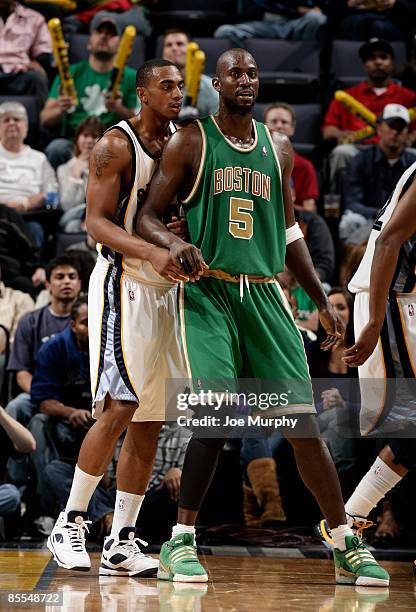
column 134, row 341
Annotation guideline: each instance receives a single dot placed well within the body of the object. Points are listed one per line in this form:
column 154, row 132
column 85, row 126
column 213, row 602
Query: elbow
column 91, row 227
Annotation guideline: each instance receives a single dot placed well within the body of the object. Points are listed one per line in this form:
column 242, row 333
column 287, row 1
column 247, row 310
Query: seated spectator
column 25, row 174
column 34, row 328
column 375, row 93
column 61, row 390
column 73, row 176
column 13, row 305
column 299, row 20
column 13, row 438
column 373, row 174
column 281, row 117
column 159, row 509
column 319, row 242
column 91, row 79
column 391, row 20
column 175, row 42
column 25, row 51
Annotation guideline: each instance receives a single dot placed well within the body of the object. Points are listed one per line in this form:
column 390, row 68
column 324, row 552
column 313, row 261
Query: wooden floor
column 255, row 584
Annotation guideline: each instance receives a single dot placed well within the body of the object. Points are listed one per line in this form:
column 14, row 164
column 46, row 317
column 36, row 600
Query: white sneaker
column 67, row 541
column 122, row 556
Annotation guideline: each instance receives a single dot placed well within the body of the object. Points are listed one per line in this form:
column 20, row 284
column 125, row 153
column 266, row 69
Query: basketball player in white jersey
column 385, row 351
column 134, row 343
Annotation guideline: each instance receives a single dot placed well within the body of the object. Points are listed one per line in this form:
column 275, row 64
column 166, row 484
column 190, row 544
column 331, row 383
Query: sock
column 179, row 528
column 378, row 481
column 126, row 511
column 338, row 535
column 83, row 487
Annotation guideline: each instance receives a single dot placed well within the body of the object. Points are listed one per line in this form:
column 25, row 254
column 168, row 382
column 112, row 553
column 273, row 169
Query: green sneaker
column 356, row 565
column 178, row 560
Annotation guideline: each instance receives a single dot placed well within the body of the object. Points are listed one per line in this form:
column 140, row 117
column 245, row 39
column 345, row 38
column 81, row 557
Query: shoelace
column 358, row 555
column 77, row 535
column 360, row 525
column 131, row 547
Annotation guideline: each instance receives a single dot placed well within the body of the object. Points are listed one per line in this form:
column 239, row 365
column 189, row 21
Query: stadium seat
column 31, row 104
column 308, row 121
column 199, row 17
column 64, row 240
column 287, row 69
column 212, row 48
column 346, row 65
column 78, row 50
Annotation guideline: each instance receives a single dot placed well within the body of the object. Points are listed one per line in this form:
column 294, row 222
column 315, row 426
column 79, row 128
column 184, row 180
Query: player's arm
column 298, row 259
column 109, row 161
column 180, row 156
column 401, row 227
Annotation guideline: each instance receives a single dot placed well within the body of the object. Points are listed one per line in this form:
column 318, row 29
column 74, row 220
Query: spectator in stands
column 25, row 51
column 13, row 305
column 373, row 173
column 91, row 79
column 175, row 42
column 375, row 93
column 158, row 512
column 299, row 20
column 391, row 20
column 61, row 391
column 13, row 437
column 25, row 174
column 34, row 328
column 281, row 117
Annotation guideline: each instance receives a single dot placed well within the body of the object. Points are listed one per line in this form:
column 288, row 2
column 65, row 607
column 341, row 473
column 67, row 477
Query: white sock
column 83, row 487
column 126, row 511
column 179, row 528
column 378, row 481
column 338, row 535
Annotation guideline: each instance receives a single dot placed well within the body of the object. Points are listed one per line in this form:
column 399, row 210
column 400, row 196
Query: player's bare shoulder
column 186, row 144
column 283, row 148
column 112, row 153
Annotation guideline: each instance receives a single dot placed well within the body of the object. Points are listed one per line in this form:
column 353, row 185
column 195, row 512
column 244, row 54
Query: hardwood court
column 239, row 584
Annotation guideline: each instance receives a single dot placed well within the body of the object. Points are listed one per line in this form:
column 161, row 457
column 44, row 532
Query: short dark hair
column 62, row 260
column 176, row 31
column 82, row 300
column 284, row 105
column 146, row 70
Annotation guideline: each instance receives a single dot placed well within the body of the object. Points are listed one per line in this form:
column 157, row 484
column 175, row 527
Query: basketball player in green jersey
column 234, row 186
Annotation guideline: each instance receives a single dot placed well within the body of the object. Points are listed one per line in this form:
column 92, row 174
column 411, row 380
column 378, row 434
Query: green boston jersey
column 235, row 211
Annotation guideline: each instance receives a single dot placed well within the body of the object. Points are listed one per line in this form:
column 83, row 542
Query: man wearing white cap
column 374, row 172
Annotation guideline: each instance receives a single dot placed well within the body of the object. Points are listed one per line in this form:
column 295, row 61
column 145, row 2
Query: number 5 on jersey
column 240, row 223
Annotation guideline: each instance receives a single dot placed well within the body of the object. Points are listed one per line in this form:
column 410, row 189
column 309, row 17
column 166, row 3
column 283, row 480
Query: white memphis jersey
column 361, row 279
column 142, row 169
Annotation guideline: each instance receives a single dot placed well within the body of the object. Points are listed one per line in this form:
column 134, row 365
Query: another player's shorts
column 387, row 378
column 228, row 337
column 134, row 341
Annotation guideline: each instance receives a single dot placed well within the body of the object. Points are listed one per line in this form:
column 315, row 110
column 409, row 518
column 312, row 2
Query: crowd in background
column 46, row 255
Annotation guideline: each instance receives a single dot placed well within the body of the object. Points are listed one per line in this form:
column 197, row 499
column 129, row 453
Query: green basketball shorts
column 229, row 339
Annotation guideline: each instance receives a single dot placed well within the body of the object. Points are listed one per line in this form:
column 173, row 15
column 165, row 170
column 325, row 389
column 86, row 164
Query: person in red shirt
column 280, row 117
column 375, row 93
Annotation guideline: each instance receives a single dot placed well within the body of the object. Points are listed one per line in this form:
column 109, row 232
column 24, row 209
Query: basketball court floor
column 280, row 579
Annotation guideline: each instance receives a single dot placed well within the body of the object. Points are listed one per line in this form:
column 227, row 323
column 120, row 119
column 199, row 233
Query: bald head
column 233, row 57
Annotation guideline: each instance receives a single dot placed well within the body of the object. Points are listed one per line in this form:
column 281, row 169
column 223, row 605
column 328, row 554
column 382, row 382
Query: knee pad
column 404, row 451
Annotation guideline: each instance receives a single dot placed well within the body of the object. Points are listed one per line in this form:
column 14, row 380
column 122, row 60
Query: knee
column 224, row 31
column 37, row 78
column 116, row 417
column 9, row 499
column 315, row 18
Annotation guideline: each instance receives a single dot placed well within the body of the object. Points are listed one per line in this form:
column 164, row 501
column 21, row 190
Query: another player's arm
column 179, row 160
column 109, row 162
column 401, row 227
column 298, row 258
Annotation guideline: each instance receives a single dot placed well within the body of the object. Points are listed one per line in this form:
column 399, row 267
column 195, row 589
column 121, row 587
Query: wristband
column 293, row 233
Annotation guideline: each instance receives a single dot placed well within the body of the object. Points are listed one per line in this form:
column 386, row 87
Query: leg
column 9, row 499
column 339, row 157
column 237, row 33
column 30, row 83
column 308, row 27
column 59, row 151
column 21, row 408
column 137, row 455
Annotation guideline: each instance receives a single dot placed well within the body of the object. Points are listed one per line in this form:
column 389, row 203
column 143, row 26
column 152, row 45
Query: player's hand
column 172, row 481
column 179, row 227
column 363, row 348
column 80, row 419
column 333, row 326
column 190, row 258
column 162, row 262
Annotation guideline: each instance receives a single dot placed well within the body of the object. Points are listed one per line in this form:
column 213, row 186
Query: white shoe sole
column 362, row 581
column 162, row 575
column 79, row 568
column 150, row 572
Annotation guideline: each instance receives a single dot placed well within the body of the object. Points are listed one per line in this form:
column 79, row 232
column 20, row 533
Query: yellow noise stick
column 68, row 5
column 123, row 54
column 60, row 52
column 195, row 77
column 356, row 107
column 191, row 49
